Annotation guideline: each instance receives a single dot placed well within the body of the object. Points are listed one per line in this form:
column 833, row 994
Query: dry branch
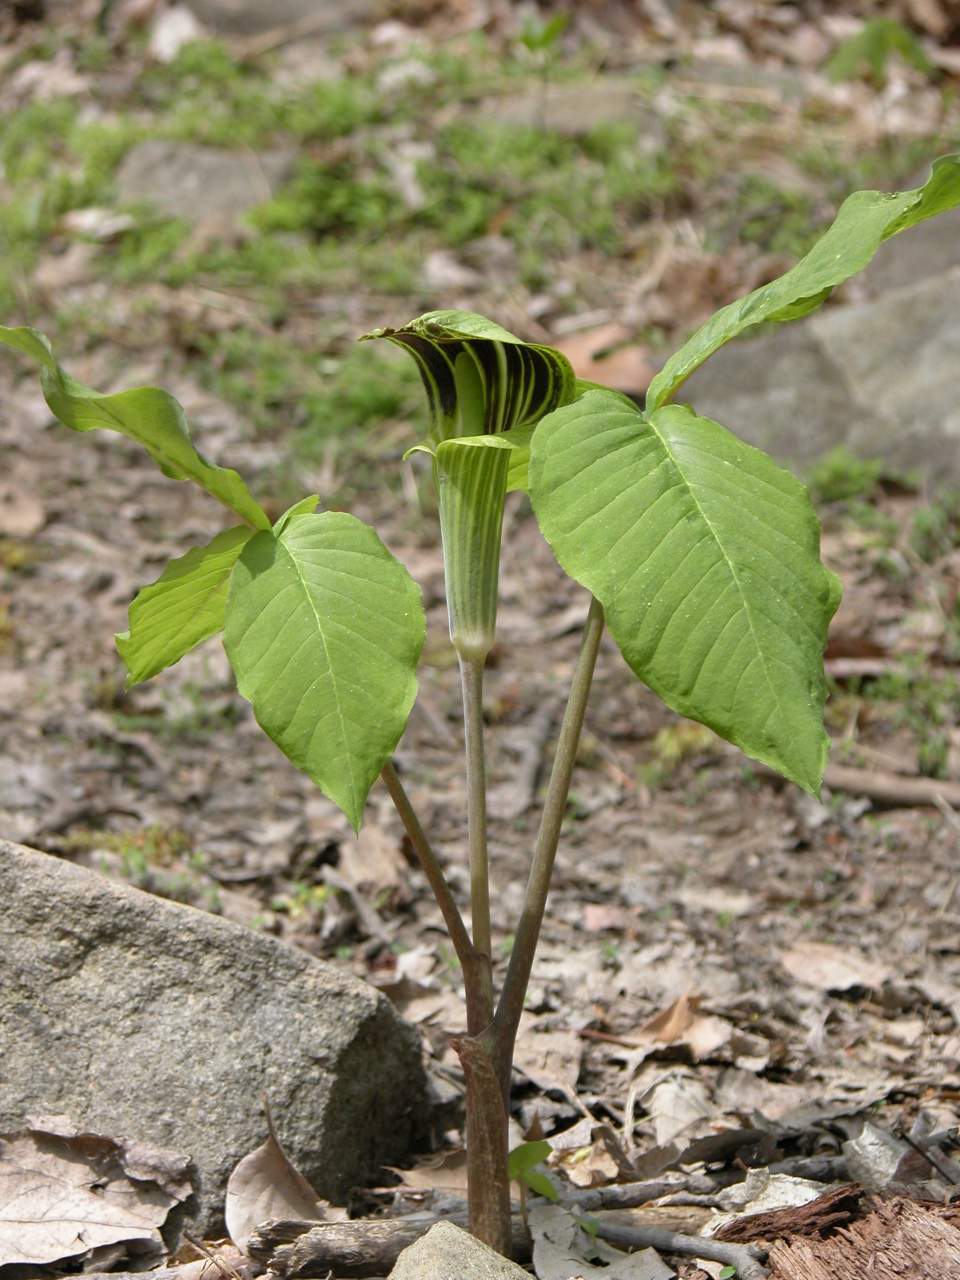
column 367, row 1247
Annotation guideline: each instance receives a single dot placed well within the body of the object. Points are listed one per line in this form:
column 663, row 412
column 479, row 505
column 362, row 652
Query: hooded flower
column 480, row 379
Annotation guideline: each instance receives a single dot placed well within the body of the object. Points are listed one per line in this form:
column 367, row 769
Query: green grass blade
column 705, row 557
column 182, row 608
column 323, row 629
column 151, row 417
column 865, row 220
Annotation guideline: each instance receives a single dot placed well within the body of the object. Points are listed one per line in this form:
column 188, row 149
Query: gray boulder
column 881, row 377
column 920, row 253
column 447, row 1252
column 246, row 17
column 200, row 183
column 142, row 1019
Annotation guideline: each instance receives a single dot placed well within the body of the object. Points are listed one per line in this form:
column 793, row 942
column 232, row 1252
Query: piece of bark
column 815, row 1218
column 896, row 1240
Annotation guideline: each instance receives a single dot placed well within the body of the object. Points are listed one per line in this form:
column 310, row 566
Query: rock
column 780, row 392
column 785, row 84
column 879, row 377
column 447, row 1252
column 246, row 17
column 200, row 183
column 141, row 1019
column 576, row 108
column 921, row 253
column 443, row 270
column 900, row 356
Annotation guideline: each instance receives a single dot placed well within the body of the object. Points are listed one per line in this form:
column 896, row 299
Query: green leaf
column 526, row 1155
column 147, row 415
column 323, row 629
column 539, row 36
column 540, row 1184
column 728, row 1272
column 183, row 607
column 521, row 1166
column 306, row 506
column 705, row 556
column 872, row 48
column 866, row 219
column 479, row 378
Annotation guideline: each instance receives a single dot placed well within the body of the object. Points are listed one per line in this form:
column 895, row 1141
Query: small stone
column 172, row 29
column 144, row 1020
column 200, row 183
column 443, row 270
column 411, row 73
column 575, row 109
column 247, row 17
column 447, row 1252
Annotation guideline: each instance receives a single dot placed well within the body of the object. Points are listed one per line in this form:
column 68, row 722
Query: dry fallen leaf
column 21, row 514
column 373, row 860
column 606, row 355
column 830, row 968
column 551, row 1059
column 561, row 1250
column 266, row 1185
column 682, row 1023
column 445, row 1172
column 63, row 1197
column 677, row 1103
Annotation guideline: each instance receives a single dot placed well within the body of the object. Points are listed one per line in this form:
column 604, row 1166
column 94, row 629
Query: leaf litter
column 69, row 1197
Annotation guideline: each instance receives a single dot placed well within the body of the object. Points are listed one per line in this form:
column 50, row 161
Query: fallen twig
column 367, row 1247
column 894, row 790
column 747, row 1259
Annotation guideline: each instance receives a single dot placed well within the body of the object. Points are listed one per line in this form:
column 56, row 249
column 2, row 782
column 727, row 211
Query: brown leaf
column 61, row 1197
column 373, row 859
column 561, row 1248
column 266, row 1185
column 21, row 515
column 445, row 1172
column 669, row 1025
column 830, row 968
column 551, row 1059
column 606, row 355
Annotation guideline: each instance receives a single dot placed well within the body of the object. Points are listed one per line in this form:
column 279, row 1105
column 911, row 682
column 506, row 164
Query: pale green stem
column 475, row 967
column 471, row 681
column 430, row 864
column 548, row 837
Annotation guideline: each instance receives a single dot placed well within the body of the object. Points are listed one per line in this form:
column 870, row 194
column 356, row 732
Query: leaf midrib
column 326, row 653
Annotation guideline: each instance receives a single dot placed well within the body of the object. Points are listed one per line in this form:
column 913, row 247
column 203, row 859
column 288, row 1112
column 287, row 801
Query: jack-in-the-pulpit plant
column 698, row 552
